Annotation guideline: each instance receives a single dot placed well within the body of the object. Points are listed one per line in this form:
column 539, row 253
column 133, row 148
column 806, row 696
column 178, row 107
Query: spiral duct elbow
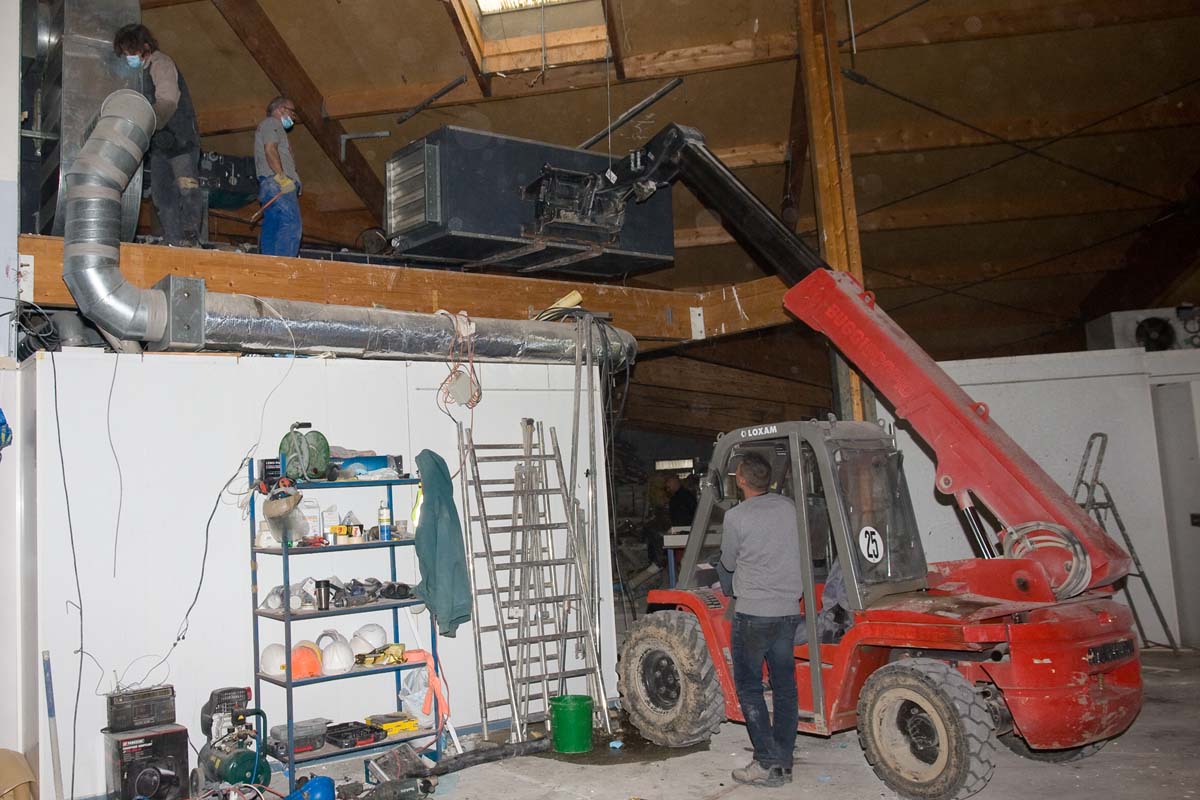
column 92, row 233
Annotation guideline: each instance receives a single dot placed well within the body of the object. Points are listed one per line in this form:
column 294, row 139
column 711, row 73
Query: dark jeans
column 281, row 228
column 178, row 199
column 769, row 639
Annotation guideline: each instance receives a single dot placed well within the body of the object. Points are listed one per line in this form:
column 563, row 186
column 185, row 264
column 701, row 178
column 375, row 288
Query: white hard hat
column 332, row 636
column 373, row 634
column 336, row 658
column 273, row 660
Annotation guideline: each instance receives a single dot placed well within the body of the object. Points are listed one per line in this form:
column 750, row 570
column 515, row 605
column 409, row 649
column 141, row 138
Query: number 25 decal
column 871, row 544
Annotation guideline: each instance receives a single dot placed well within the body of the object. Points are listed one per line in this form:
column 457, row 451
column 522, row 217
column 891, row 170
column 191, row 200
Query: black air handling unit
column 465, row 197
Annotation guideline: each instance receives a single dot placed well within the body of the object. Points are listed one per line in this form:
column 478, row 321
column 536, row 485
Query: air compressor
column 233, row 751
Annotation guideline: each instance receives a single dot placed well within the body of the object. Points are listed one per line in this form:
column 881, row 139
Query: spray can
column 385, row 521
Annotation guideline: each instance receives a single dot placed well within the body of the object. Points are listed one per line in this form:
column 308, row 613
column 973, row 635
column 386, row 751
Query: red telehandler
column 1023, row 646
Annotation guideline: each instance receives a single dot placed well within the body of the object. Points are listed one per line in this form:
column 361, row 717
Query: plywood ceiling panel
column 647, row 26
column 1100, row 70
column 218, row 68
column 363, row 44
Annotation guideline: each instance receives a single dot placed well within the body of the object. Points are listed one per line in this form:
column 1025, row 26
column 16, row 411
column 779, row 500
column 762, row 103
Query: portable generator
column 232, row 751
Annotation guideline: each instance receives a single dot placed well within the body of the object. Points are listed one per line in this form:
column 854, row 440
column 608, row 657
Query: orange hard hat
column 305, row 662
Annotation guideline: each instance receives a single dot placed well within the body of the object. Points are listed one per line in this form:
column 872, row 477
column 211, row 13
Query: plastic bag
column 413, row 689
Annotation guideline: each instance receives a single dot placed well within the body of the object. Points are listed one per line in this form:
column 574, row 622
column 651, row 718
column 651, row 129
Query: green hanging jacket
column 445, row 586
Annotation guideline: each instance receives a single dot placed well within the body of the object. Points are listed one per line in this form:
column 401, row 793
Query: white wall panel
column 180, row 425
column 1050, row 405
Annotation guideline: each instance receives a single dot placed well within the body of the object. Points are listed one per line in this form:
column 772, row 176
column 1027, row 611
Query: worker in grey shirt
column 760, row 545
column 174, row 156
column 278, row 181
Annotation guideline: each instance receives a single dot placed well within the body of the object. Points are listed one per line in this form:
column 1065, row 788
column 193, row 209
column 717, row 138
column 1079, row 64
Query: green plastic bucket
column 571, row 723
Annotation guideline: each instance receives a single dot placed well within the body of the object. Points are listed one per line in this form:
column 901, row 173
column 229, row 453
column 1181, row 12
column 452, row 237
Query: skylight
column 500, row 6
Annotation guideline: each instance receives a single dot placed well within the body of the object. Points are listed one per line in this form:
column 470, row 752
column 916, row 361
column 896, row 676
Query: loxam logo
column 762, row 431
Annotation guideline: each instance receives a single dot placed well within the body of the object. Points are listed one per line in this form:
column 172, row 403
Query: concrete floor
column 1158, row 757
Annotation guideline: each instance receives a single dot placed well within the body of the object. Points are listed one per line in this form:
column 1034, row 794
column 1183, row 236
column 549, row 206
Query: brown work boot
column 755, row 774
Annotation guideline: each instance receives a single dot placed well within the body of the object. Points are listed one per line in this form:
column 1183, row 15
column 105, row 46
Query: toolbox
column 354, row 734
column 309, row 735
column 395, row 722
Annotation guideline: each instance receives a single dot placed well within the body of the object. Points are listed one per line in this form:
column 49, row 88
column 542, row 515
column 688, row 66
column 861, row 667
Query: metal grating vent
column 412, row 190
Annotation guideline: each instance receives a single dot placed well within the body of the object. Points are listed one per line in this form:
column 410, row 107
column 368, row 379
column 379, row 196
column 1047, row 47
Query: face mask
column 288, row 122
column 134, row 61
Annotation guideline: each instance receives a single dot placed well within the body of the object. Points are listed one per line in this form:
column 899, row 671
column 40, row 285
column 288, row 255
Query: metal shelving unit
column 286, row 616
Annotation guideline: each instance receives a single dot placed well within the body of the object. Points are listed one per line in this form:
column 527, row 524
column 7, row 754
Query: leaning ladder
column 1098, row 501
column 537, row 599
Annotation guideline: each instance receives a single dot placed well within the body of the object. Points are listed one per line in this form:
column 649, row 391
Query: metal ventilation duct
column 179, row 314
column 68, row 69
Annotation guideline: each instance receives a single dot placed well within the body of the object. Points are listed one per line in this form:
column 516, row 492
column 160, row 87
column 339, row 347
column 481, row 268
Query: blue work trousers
column 767, row 639
column 281, row 227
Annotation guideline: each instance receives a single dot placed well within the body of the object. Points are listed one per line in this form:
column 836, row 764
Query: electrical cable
column 182, row 631
column 460, row 362
column 961, row 293
column 1062, row 137
column 116, row 460
column 1032, row 265
column 855, row 34
column 864, row 80
column 608, row 52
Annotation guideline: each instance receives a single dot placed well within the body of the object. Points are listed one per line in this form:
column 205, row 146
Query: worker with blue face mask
column 278, row 181
column 174, row 156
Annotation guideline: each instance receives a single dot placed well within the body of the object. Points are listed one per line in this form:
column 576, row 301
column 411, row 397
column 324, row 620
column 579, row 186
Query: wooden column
column 833, row 185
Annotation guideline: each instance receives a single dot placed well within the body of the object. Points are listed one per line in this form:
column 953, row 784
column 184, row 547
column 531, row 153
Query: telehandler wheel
column 925, row 731
column 667, row 681
column 1018, row 745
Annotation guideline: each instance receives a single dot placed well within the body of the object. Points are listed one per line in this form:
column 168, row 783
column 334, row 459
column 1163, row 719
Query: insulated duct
column 179, row 314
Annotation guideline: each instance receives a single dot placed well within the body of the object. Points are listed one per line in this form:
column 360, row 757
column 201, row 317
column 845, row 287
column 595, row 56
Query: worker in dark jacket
column 175, row 146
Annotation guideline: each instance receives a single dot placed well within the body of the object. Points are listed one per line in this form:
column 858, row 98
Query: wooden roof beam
column 260, row 36
column 757, row 304
column 979, row 211
column 657, row 317
column 399, row 98
column 466, row 27
column 691, row 375
column 707, row 413
column 1181, row 112
column 962, row 22
column 615, row 47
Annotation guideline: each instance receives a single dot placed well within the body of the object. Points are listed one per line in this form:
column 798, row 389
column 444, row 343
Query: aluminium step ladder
column 530, row 593
column 1098, row 501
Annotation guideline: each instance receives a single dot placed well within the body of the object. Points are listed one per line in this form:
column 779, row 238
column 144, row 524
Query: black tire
column 1019, row 746
column 196, row 783
column 925, row 731
column 667, row 680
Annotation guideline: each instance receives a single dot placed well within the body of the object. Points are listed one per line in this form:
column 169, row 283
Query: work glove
column 286, row 184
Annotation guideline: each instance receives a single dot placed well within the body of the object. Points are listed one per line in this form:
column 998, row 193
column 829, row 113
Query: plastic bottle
column 385, row 521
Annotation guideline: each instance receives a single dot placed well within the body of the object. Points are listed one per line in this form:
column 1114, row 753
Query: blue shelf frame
column 286, row 616
column 335, row 548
